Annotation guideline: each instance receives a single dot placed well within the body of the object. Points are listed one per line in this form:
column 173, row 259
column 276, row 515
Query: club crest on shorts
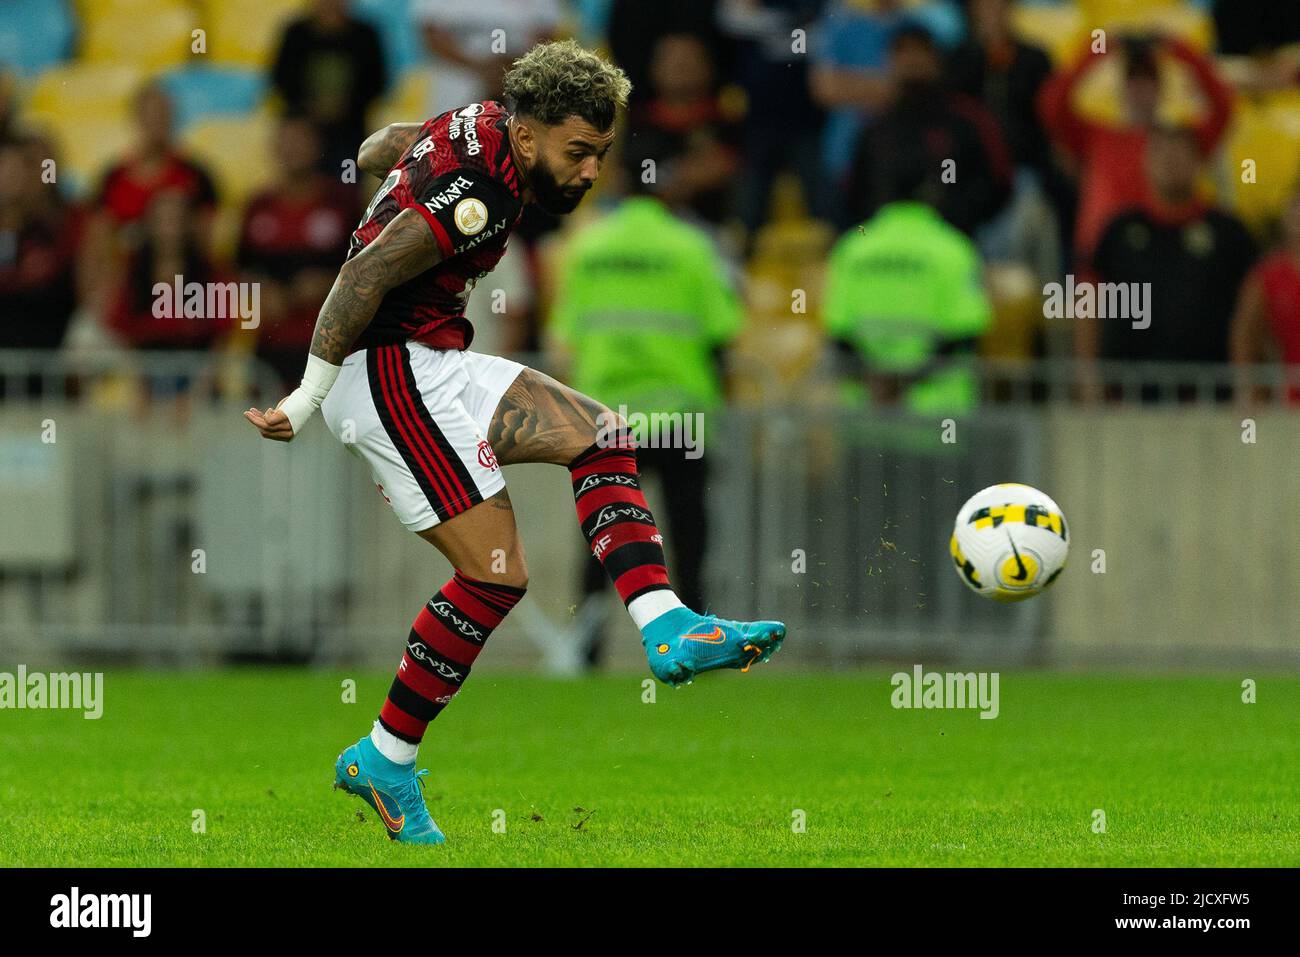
column 486, row 457
column 470, row 216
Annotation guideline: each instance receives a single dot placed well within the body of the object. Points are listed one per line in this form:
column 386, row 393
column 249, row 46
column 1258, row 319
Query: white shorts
column 419, row 417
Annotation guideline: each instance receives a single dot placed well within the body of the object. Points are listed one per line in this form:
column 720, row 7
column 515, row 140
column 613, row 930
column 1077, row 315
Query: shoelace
column 409, row 795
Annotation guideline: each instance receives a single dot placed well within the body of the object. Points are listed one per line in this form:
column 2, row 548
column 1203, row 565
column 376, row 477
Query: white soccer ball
column 1009, row 542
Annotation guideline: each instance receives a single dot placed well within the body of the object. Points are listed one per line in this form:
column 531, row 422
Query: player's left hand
column 273, row 424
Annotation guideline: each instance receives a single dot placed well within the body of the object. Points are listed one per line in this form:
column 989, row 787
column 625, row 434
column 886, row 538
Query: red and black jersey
column 460, row 176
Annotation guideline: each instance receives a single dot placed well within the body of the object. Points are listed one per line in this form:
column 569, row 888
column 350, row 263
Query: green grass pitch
column 583, row 772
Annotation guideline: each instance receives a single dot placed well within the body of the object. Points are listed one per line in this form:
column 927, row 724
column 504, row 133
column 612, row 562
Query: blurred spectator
column 330, row 67
column 683, row 130
column 39, row 233
column 949, row 137
column 293, row 238
column 8, row 106
column 1005, row 74
column 1266, row 324
column 636, row 27
column 782, row 125
column 1193, row 256
column 643, row 311
column 171, row 250
column 905, row 306
column 155, row 164
column 1108, row 160
column 463, row 36
column 850, row 75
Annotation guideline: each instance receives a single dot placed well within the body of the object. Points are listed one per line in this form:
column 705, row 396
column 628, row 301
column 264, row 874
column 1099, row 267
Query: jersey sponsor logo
column 591, row 481
column 611, row 513
column 474, row 109
column 480, row 239
column 447, row 612
column 465, row 120
column 421, row 148
column 486, row 457
column 470, row 216
column 454, row 191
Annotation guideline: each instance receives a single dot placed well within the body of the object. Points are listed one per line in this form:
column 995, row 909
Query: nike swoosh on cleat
column 393, row 825
column 716, row 638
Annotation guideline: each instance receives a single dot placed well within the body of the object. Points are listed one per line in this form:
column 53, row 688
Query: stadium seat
column 1057, row 29
column 1159, row 16
column 1266, row 130
column 154, row 40
column 85, row 145
column 247, row 32
column 35, row 35
column 200, row 92
column 93, row 90
column 234, row 150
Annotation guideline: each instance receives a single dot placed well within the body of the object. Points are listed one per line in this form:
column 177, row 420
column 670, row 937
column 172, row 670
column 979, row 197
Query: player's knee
column 613, row 432
column 500, row 566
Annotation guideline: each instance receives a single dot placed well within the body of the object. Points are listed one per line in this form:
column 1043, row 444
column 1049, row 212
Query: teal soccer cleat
column 682, row 644
column 393, row 790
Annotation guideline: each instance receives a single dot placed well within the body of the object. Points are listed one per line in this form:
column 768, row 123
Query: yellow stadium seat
column 1151, row 16
column 1265, row 134
column 234, row 150
column 1058, row 29
column 85, row 143
column 95, row 89
column 247, row 32
column 154, row 41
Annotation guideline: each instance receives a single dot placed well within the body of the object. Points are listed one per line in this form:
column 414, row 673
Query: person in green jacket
column 643, row 313
column 905, row 302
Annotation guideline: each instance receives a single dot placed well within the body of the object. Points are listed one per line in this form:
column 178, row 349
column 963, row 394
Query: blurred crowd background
column 820, row 216
column 887, row 182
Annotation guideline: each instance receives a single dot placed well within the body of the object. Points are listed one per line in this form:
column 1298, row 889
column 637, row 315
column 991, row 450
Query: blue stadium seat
column 35, row 34
column 403, row 47
column 201, row 92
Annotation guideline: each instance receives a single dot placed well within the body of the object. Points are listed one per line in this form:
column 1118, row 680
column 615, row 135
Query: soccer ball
column 1009, row 542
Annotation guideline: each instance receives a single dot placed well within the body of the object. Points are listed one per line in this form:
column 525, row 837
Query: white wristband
column 301, row 404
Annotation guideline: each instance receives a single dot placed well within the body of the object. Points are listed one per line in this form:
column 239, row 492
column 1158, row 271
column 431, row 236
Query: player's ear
column 526, row 140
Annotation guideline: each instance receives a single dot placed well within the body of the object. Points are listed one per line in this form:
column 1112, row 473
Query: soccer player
column 390, row 370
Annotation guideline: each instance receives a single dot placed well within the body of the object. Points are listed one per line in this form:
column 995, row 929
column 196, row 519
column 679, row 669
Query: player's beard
column 550, row 195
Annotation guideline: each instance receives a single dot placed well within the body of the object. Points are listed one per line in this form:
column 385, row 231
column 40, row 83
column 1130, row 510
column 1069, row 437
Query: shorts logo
column 470, row 216
column 610, row 514
column 384, row 494
column 591, row 481
column 486, row 457
column 447, row 612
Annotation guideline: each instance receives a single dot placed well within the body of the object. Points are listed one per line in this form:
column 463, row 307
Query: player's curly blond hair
column 554, row 81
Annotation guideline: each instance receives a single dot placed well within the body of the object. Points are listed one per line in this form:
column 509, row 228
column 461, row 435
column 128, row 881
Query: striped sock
column 620, row 528
column 444, row 641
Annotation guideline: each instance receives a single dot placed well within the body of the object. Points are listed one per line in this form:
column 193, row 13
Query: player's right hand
column 273, row 424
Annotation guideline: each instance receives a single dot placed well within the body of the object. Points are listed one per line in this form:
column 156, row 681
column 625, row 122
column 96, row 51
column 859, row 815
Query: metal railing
column 140, row 517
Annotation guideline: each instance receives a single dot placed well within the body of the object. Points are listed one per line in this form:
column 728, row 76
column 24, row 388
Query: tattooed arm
column 381, row 150
column 401, row 252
